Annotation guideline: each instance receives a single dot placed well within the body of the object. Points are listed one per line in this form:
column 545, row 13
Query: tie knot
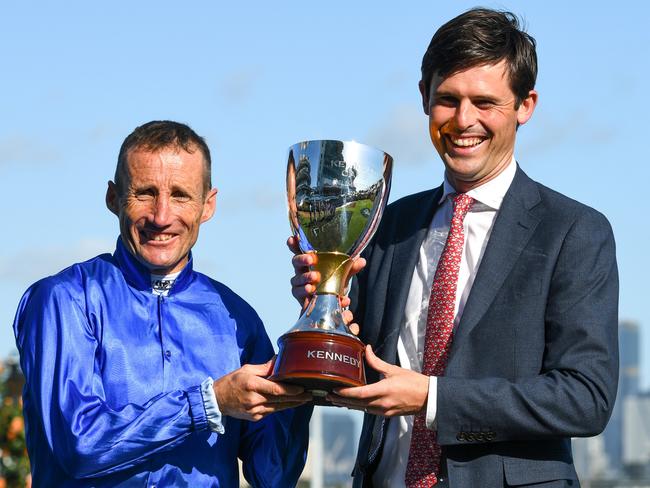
column 462, row 203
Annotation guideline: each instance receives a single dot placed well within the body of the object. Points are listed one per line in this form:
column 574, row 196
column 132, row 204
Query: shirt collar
column 139, row 277
column 490, row 193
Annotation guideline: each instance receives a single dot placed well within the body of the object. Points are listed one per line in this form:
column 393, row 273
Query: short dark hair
column 479, row 37
column 162, row 134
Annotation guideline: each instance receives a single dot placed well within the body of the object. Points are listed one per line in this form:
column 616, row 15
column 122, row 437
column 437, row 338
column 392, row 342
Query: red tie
column 424, row 455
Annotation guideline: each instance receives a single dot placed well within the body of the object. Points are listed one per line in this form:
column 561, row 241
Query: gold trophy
column 336, row 192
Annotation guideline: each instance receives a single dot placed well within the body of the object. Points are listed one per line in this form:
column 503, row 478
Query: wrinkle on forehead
column 158, row 160
column 170, row 157
column 166, row 168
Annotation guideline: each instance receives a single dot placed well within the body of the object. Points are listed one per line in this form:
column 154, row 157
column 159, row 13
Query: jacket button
column 168, row 354
column 460, row 436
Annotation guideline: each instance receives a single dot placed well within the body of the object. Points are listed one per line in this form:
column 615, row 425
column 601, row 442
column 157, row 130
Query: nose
column 465, row 115
column 161, row 211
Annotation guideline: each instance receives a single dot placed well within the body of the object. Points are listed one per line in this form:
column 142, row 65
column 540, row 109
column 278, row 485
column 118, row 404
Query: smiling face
column 473, row 119
column 162, row 205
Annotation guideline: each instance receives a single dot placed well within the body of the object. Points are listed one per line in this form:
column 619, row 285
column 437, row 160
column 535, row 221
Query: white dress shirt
column 477, row 227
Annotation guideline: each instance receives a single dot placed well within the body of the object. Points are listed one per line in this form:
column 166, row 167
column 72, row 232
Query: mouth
column 161, row 237
column 465, row 142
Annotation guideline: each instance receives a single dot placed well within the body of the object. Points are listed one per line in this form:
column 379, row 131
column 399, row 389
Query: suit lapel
column 513, row 228
column 409, row 234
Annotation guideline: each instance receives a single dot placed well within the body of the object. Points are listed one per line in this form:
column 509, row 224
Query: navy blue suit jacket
column 534, row 359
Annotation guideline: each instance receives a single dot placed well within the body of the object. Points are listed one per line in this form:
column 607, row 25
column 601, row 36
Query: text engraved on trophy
column 332, row 356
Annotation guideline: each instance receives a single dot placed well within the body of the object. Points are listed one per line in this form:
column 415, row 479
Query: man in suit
column 489, row 303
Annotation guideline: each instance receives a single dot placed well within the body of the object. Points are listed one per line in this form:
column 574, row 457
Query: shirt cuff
column 432, row 401
column 212, row 411
column 197, row 410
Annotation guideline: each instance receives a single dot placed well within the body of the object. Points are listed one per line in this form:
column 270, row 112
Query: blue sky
column 254, row 78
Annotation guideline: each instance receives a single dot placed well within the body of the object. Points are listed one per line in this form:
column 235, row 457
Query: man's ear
column 209, row 206
column 425, row 97
column 527, row 107
column 113, row 198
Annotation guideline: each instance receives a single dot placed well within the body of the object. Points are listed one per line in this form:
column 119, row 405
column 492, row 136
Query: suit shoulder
column 414, row 200
column 561, row 205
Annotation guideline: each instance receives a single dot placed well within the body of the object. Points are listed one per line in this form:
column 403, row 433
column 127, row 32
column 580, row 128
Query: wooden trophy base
column 319, row 361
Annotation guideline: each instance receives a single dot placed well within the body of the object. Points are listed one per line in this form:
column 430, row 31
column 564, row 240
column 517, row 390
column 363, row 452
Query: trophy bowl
column 336, row 194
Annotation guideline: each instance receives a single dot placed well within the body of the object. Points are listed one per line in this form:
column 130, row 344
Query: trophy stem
column 323, row 312
column 334, row 268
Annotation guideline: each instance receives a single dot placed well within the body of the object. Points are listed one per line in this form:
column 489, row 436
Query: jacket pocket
column 521, row 471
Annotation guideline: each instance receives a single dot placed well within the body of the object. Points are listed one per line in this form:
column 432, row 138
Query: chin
column 465, row 167
column 154, row 264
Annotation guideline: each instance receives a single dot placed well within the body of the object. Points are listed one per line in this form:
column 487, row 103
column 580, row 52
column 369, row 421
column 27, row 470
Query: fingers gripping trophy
column 337, row 192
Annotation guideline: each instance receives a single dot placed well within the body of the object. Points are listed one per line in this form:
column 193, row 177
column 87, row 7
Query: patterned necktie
column 424, row 455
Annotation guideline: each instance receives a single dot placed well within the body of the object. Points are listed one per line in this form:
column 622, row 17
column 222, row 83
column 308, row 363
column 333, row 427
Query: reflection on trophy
column 336, row 193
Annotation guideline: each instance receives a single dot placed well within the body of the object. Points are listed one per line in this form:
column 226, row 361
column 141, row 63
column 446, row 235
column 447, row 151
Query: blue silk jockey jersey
column 113, row 374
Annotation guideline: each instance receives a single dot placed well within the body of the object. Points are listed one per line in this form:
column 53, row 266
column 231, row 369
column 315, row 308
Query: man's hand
column 400, row 392
column 304, row 281
column 246, row 393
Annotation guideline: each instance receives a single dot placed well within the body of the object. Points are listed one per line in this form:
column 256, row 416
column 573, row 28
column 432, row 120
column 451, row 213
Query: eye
column 445, row 101
column 144, row 194
column 181, row 196
column 484, row 103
